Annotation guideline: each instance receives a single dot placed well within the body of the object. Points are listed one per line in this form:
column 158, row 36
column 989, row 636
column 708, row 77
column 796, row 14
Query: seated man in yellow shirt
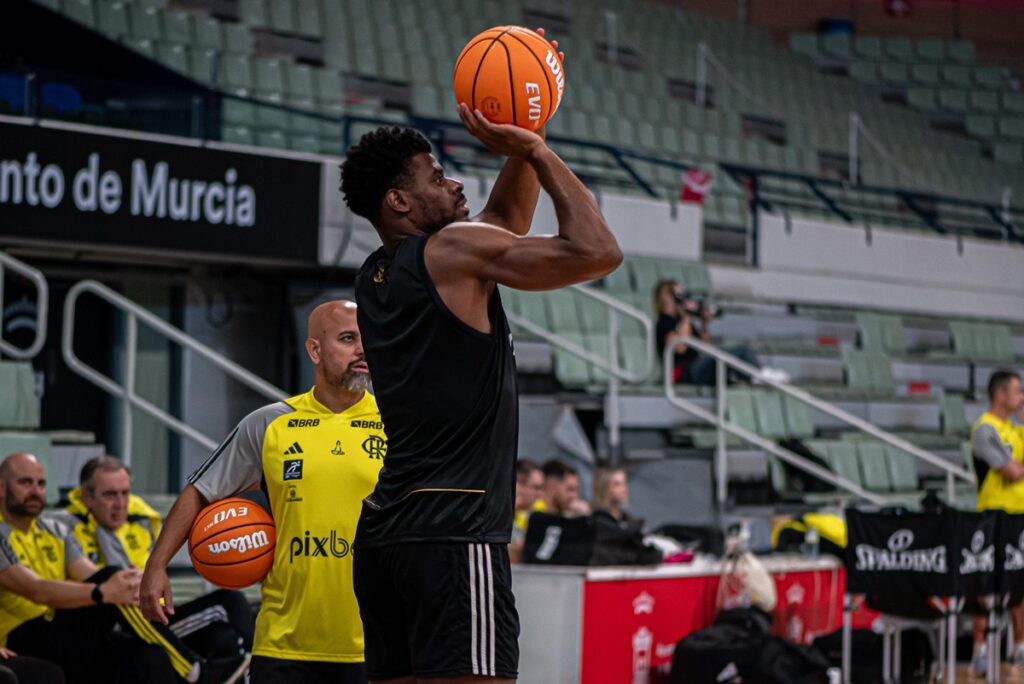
column 116, row 527
column 52, row 597
column 529, row 485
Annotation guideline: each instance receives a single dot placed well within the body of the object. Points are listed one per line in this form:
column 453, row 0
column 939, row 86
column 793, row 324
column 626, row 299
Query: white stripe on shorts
column 481, row 602
column 472, row 610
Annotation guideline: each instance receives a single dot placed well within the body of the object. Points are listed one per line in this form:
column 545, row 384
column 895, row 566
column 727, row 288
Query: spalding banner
column 70, row 185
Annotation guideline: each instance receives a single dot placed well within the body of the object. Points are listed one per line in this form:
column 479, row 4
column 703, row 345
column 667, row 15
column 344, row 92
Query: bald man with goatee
column 316, row 455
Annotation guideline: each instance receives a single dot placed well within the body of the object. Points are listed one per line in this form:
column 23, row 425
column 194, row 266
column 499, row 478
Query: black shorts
column 437, row 610
column 264, row 670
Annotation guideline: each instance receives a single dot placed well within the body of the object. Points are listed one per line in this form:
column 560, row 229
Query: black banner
column 84, row 188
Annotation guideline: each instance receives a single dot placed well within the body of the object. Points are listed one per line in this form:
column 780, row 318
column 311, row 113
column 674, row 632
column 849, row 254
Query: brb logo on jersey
column 293, row 469
column 303, row 422
column 312, row 546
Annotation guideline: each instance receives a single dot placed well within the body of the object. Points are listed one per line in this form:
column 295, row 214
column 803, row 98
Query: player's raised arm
column 583, row 249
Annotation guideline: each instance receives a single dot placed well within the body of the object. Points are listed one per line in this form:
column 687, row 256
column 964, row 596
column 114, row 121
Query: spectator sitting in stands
column 561, row 491
column 56, row 605
column 681, row 316
column 611, row 495
column 529, row 487
column 116, row 527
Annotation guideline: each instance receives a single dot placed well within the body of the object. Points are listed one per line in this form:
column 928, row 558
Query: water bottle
column 810, row 545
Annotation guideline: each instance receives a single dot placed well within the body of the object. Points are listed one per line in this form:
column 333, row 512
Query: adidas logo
column 293, row 449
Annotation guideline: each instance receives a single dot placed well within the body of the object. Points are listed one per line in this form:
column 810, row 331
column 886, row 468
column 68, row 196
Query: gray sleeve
column 7, row 555
column 65, row 532
column 986, row 445
column 238, row 461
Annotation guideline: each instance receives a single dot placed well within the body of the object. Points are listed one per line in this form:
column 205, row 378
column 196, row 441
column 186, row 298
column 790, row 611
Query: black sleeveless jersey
column 448, row 399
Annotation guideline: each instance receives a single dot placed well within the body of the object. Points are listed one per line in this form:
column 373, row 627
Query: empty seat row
column 846, row 47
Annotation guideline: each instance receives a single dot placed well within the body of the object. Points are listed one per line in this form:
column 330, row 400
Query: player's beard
column 20, row 508
column 353, row 381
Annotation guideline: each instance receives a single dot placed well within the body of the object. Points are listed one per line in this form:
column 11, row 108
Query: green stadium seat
column 281, row 17
column 269, row 114
column 881, row 332
column 869, row 371
column 839, row 45
column 995, row 343
column 925, row 74
column 238, row 39
column 645, row 274
column 176, row 27
column 1013, row 102
column 201, row 63
column 771, row 419
column 310, row 21
column 964, row 339
column 271, row 138
column 532, row 307
column 237, row 71
column 19, row 405
column 957, row 75
column 269, row 74
column 894, row 73
column 798, row 417
column 869, row 48
column 953, row 100
column 112, row 19
column 208, row 33
column 565, row 317
column 865, row 72
column 571, row 370
column 1012, row 127
column 980, row 125
column 619, row 280
column 841, row 458
column 238, row 135
column 899, row 49
column 990, row 77
column 922, row 98
column 300, row 81
column 953, row 416
column 254, row 12
column 804, row 44
column 597, row 344
column 902, row 469
column 739, row 408
column 238, row 112
column 961, row 51
column 143, row 46
column 145, row 22
column 874, row 466
column 1008, row 153
column 930, row 49
column 173, row 56
column 81, row 11
column 984, row 101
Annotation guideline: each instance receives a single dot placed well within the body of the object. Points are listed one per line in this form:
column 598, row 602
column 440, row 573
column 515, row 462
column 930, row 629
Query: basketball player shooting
column 431, row 568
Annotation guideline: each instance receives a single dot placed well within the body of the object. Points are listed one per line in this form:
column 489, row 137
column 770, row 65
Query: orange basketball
column 512, row 75
column 232, row 543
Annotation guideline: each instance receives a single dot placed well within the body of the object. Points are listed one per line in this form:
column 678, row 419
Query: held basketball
column 232, row 543
column 512, row 75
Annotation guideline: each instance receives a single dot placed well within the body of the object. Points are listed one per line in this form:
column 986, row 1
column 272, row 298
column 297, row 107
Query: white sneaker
column 775, row 375
column 1017, row 659
column 979, row 661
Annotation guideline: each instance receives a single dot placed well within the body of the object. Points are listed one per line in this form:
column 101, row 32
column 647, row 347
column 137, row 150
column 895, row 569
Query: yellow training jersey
column 316, row 467
column 47, row 548
column 128, row 545
column 995, row 441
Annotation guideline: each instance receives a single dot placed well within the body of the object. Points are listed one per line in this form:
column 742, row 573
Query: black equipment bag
column 720, row 654
column 916, row 655
column 554, row 540
column 621, row 542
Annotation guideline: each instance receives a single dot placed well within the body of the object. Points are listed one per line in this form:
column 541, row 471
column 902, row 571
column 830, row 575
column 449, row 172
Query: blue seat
column 12, row 92
column 61, row 98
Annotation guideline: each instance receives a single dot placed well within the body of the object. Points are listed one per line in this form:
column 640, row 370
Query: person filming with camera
column 684, row 315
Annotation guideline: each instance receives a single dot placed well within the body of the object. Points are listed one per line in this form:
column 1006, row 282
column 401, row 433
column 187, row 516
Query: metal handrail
column 126, row 390
column 724, row 359
column 42, row 307
column 616, row 374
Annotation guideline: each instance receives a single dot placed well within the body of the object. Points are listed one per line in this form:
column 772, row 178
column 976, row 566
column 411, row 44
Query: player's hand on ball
column 503, row 139
column 156, row 585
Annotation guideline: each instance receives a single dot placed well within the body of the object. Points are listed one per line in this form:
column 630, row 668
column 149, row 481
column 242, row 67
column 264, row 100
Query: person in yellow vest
column 318, row 456
column 116, row 527
column 53, row 599
column 997, row 450
column 529, row 486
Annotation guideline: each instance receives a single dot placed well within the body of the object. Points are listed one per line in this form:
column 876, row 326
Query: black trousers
column 26, row 670
column 265, row 670
column 216, row 625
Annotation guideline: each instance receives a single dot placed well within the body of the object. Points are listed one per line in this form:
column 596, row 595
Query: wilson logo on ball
column 241, row 543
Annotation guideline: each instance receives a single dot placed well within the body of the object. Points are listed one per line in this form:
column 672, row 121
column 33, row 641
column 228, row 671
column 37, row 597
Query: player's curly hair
column 377, row 163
